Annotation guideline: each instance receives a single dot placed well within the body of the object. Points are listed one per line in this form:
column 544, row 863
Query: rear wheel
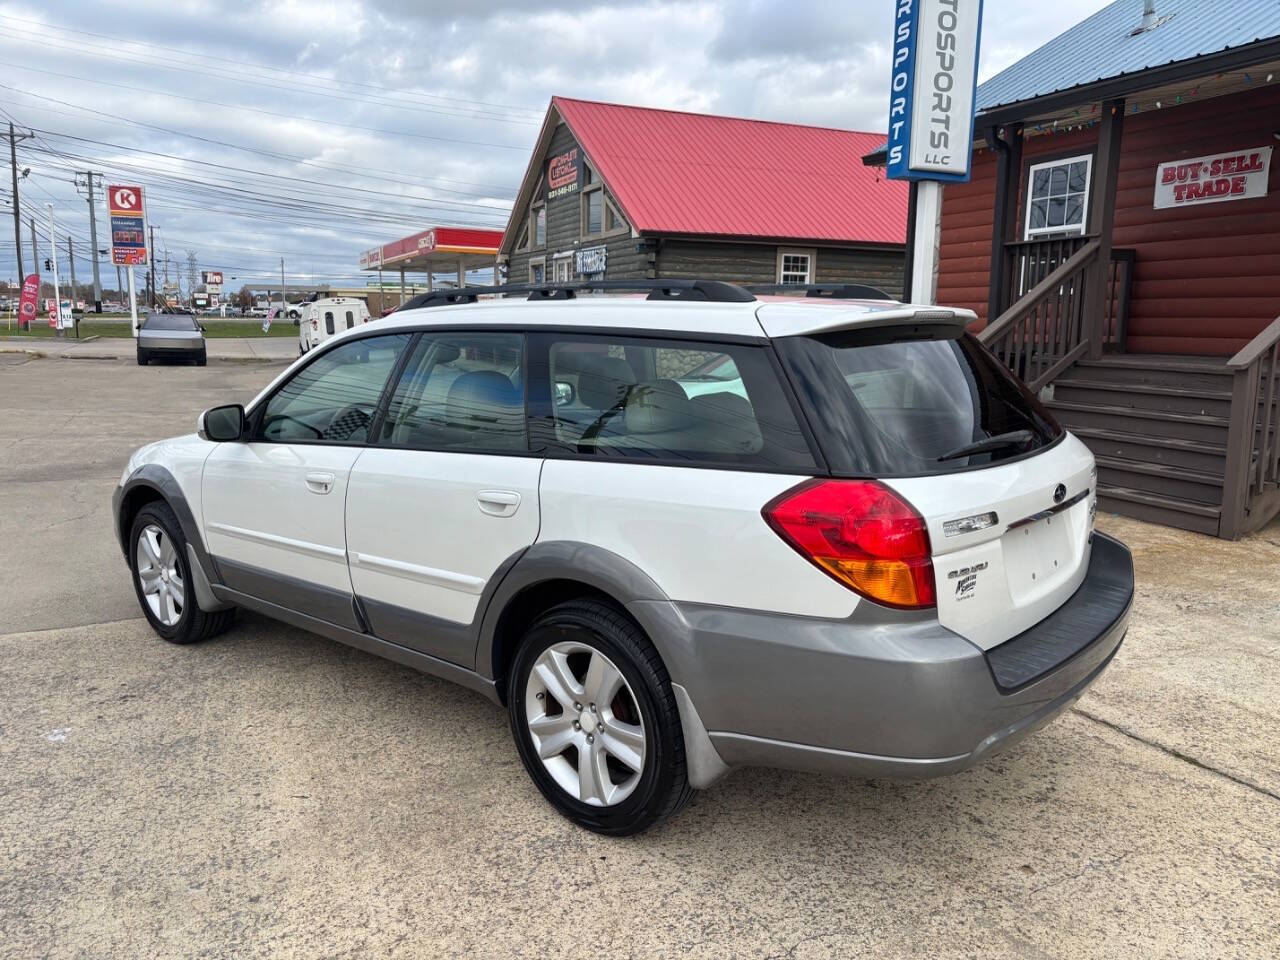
column 162, row 580
column 142, row 359
column 595, row 721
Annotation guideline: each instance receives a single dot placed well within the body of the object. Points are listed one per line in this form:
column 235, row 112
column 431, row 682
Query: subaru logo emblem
column 1059, row 493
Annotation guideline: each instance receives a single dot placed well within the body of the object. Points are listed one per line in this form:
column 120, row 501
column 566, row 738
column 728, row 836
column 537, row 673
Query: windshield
column 170, row 321
column 887, row 406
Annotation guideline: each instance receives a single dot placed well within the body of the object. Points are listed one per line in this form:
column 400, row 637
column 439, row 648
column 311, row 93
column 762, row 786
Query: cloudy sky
column 312, row 129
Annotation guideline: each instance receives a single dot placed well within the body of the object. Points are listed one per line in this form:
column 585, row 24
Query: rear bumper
column 885, row 693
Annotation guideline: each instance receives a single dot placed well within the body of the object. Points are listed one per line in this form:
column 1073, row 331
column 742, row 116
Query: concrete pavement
column 123, row 348
column 271, row 794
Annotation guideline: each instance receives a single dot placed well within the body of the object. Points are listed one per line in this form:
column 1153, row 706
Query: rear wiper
column 1014, row 438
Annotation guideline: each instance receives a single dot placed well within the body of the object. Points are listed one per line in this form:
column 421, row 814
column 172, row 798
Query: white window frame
column 1030, row 233
column 538, row 262
column 809, row 252
column 561, row 268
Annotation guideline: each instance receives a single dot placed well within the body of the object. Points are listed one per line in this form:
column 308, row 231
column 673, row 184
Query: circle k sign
column 125, row 200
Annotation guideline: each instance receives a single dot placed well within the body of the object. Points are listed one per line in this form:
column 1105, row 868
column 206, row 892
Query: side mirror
column 222, row 424
column 564, row 393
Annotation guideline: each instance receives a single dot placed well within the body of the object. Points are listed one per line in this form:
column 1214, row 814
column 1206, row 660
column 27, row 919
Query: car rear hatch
column 1006, row 495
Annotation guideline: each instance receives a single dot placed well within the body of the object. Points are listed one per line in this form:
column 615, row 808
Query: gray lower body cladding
column 901, row 697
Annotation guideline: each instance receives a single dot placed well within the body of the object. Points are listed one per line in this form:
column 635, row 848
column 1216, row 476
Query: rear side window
column 351, row 319
column 460, row 391
column 626, row 398
column 328, row 321
column 888, row 405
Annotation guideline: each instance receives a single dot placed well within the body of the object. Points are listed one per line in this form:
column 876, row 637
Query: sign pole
column 133, row 304
column 927, row 241
column 56, row 316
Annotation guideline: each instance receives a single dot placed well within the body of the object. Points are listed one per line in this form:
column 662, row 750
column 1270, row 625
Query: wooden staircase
column 1191, row 442
column 1158, row 427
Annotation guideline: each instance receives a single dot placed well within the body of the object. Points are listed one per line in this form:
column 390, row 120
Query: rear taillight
column 861, row 533
column 315, row 324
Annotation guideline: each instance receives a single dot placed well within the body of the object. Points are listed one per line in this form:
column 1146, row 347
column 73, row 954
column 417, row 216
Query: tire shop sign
column 564, row 173
column 1239, row 175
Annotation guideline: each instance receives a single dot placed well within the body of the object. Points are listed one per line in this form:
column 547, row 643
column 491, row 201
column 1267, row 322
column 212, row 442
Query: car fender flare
column 643, row 600
column 155, row 477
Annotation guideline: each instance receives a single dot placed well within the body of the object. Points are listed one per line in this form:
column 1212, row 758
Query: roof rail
column 829, row 291
column 713, row 291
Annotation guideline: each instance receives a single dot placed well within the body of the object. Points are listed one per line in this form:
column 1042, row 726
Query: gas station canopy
column 437, row 250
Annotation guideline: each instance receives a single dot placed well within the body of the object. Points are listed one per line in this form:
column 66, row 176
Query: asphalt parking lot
column 271, row 793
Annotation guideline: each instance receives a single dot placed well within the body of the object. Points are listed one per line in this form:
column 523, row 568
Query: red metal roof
column 689, row 173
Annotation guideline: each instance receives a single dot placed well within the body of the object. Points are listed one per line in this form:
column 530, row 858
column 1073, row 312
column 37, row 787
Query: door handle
column 498, row 503
column 319, row 482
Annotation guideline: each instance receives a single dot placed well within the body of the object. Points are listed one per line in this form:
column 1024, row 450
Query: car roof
column 773, row 316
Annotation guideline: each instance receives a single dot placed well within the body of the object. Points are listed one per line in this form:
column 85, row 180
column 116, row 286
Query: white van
column 321, row 319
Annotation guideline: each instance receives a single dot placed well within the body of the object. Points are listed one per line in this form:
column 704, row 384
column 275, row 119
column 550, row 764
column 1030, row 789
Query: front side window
column 671, row 400
column 460, row 391
column 795, row 266
column 1057, row 196
column 333, row 398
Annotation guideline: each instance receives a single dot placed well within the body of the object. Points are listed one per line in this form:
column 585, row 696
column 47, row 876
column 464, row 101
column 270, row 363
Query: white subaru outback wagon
column 672, row 534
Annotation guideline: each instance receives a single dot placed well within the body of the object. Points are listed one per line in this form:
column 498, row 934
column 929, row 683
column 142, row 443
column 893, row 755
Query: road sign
column 128, row 226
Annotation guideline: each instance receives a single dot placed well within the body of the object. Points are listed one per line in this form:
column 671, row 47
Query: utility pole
column 282, row 291
column 17, row 213
column 72, row 258
column 152, row 255
column 93, row 239
column 35, row 252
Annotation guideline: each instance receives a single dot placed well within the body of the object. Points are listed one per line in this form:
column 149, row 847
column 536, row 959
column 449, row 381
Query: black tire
column 193, row 624
column 202, row 360
column 663, row 787
column 142, row 359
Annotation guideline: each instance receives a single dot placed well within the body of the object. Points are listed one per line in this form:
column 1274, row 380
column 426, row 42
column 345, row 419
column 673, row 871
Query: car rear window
column 890, row 402
column 672, row 401
column 170, row 321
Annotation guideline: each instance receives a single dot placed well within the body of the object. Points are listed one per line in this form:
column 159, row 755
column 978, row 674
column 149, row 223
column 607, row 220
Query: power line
column 239, row 64
column 266, row 113
column 187, row 68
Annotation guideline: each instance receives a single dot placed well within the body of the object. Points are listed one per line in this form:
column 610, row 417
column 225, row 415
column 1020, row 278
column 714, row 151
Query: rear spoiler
column 801, row 318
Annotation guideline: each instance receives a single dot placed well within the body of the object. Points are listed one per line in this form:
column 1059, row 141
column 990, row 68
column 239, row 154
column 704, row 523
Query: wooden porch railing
column 1251, row 494
column 1043, row 332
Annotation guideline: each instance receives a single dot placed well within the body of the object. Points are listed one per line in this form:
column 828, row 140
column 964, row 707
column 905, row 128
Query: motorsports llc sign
column 934, row 82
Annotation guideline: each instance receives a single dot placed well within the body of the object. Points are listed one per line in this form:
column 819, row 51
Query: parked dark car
column 171, row 336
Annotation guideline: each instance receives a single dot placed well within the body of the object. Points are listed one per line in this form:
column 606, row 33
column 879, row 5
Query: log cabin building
column 623, row 193
column 1120, row 242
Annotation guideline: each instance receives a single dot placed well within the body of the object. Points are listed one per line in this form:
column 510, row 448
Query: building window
column 593, row 212
column 538, row 270
column 1058, row 196
column 562, row 269
column 795, row 266
column 537, row 224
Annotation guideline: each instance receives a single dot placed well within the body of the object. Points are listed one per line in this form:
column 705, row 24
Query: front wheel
column 595, row 720
column 162, row 579
column 142, row 359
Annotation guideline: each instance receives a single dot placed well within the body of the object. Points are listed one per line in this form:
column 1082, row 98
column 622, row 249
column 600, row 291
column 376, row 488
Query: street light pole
column 93, row 240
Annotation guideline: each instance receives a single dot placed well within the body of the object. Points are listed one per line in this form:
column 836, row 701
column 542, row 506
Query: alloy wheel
column 585, row 723
column 160, row 575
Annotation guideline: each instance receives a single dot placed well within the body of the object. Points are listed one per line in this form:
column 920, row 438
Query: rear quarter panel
column 698, row 533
